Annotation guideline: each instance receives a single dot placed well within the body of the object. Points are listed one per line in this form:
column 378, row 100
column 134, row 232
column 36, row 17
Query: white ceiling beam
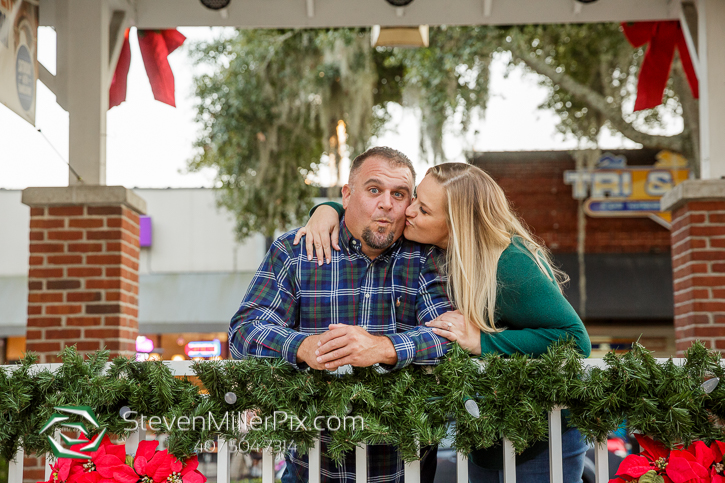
column 364, row 13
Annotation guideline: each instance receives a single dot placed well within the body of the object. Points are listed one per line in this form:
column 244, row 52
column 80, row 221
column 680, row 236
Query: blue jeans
column 536, row 470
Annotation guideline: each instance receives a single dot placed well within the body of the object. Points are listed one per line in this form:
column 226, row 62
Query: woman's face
column 426, row 218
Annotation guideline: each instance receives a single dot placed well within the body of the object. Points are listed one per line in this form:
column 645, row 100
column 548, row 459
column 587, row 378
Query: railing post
column 314, row 461
column 412, row 469
column 361, row 463
column 461, row 468
column 601, row 462
column 134, row 439
column 48, row 456
column 509, row 462
column 222, row 461
column 556, row 457
column 15, row 467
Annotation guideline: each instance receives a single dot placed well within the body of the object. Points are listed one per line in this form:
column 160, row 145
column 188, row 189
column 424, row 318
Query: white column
column 711, row 39
column 83, row 68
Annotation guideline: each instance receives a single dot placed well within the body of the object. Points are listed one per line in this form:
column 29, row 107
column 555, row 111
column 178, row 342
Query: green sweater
column 534, row 313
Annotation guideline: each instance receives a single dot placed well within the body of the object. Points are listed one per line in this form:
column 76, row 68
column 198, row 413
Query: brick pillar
column 83, row 277
column 33, row 469
column 698, row 262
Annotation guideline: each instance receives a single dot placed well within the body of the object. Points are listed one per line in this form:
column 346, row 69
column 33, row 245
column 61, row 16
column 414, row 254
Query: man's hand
column 306, row 352
column 350, row 344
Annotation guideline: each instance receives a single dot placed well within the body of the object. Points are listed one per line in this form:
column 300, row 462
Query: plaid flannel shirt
column 291, row 298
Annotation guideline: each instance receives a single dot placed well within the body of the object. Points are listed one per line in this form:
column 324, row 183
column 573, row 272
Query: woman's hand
column 453, row 326
column 322, row 228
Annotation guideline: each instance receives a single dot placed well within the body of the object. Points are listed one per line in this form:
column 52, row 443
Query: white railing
column 412, row 469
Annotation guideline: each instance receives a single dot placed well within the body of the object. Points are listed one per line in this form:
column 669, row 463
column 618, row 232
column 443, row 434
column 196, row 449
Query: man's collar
column 353, row 245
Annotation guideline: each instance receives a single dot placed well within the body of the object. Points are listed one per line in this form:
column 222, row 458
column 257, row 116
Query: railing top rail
column 184, row 368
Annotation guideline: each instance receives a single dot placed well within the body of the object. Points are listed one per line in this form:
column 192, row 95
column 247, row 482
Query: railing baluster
column 461, row 468
column 412, row 470
column 134, row 439
column 267, row 466
column 48, row 456
column 314, row 460
column 556, row 457
column 601, row 462
column 509, row 462
column 222, row 461
column 15, row 467
column 361, row 463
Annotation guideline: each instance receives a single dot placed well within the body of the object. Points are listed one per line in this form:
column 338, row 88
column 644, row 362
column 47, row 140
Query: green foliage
column 270, row 106
column 412, row 405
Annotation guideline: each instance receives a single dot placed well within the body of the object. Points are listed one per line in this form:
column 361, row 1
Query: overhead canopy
column 161, row 14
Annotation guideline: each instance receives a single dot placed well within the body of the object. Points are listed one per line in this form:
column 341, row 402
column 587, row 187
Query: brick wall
column 698, row 262
column 83, row 279
column 534, row 183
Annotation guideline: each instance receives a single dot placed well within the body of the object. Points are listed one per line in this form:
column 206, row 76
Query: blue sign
column 24, row 77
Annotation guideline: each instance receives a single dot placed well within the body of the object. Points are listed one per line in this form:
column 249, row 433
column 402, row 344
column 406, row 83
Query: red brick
column 65, row 211
column 45, row 224
column 716, row 217
column 103, row 309
column 720, row 344
column 710, row 331
column 718, row 267
column 83, row 296
column 718, row 294
column 33, row 334
column 36, row 235
column 88, row 345
column 65, row 235
column 37, row 211
column 45, row 297
column 63, row 309
column 103, row 284
column 65, row 259
column 103, row 259
column 83, row 321
column 691, row 295
column 708, row 255
column 86, row 223
column 44, row 321
column 717, row 242
column 45, row 272
column 705, row 281
column 85, row 271
column 46, row 248
column 107, row 333
column 63, row 284
column 85, row 247
column 35, row 310
column 104, row 210
column 62, row 333
column 708, row 230
column 706, row 206
column 37, row 260
column 35, row 285
column 43, row 346
column 104, row 235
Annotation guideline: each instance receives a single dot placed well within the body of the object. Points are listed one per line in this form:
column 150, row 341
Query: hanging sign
column 18, row 56
column 203, row 348
column 613, row 189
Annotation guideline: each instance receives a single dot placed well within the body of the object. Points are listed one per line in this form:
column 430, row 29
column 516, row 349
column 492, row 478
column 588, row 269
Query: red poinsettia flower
column 186, row 472
column 717, row 472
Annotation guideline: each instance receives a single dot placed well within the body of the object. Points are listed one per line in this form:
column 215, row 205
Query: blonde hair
column 481, row 224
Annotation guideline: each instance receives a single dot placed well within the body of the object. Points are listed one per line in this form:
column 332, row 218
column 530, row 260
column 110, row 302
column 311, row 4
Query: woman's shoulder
column 517, row 261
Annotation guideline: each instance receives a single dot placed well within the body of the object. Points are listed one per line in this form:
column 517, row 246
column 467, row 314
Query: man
column 365, row 308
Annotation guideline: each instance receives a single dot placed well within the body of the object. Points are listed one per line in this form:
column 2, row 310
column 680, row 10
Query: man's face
column 375, row 204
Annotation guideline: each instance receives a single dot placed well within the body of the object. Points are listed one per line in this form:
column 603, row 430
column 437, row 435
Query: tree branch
column 595, row 101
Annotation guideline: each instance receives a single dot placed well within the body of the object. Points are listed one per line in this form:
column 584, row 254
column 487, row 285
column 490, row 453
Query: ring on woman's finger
column 450, row 325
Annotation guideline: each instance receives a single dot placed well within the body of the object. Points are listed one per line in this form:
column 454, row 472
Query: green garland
column 513, row 395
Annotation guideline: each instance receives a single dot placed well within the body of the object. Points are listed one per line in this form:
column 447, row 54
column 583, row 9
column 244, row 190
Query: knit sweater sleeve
column 531, row 308
column 332, row 204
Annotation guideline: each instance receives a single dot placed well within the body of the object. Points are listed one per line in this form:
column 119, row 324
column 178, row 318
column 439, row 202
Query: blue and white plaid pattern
column 291, row 298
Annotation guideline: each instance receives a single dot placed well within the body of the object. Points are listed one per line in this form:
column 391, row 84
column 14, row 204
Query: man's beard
column 377, row 241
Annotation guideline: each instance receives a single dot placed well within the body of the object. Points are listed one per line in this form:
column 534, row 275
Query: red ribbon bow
column 663, row 38
column 155, row 45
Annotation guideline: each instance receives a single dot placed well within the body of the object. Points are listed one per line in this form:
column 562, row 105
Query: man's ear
column 346, row 193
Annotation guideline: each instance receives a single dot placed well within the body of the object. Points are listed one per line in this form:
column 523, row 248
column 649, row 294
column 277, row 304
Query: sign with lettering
column 18, row 56
column 614, row 189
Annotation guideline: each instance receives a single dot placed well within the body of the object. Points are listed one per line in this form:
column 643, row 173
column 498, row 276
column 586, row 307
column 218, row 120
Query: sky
column 149, row 143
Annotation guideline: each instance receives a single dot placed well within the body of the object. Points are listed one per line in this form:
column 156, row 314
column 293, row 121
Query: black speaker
column 215, row 4
column 399, row 3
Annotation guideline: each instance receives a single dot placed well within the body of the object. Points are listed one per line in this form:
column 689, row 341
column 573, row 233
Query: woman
column 506, row 290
